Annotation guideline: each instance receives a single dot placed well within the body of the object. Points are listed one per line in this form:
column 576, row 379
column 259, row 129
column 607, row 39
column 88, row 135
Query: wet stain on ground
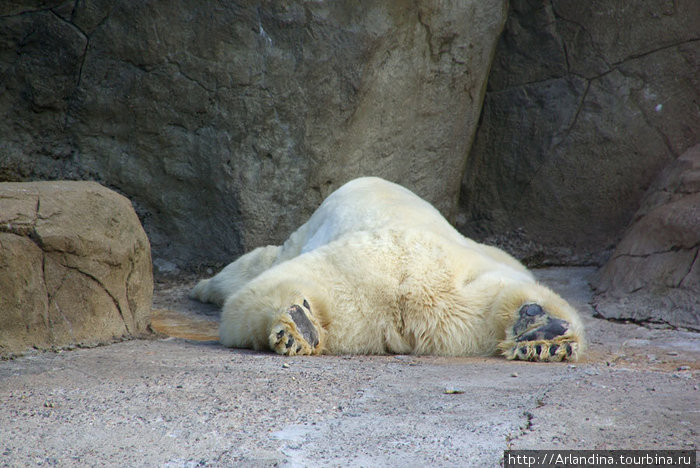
column 187, row 326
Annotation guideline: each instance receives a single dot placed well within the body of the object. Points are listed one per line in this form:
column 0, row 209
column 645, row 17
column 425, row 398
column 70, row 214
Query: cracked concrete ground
column 183, row 402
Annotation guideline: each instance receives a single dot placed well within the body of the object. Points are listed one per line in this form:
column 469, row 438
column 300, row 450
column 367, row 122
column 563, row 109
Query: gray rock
column 654, row 273
column 587, row 102
column 227, row 124
column 75, row 266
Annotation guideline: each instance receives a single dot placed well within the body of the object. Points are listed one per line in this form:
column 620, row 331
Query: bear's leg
column 536, row 336
column 235, row 275
column 295, row 331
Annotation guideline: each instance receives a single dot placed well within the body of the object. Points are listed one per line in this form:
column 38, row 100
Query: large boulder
column 75, row 266
column 227, row 123
column 587, row 103
column 654, row 273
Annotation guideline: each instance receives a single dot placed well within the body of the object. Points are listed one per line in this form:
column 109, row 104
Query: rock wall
column 587, row 102
column 75, row 266
column 654, row 273
column 227, row 123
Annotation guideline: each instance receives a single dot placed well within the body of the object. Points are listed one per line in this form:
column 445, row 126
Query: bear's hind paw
column 536, row 336
column 295, row 333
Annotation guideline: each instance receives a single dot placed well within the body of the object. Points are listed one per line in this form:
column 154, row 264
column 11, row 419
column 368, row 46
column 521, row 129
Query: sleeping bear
column 378, row 270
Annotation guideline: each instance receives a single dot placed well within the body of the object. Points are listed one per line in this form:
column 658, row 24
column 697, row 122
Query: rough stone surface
column 587, row 102
column 654, row 273
column 75, row 266
column 177, row 403
column 227, row 123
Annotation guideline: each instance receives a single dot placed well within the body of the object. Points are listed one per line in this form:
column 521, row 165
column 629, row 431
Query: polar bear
column 378, row 270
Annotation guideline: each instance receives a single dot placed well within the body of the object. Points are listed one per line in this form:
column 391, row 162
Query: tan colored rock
column 654, row 273
column 75, row 266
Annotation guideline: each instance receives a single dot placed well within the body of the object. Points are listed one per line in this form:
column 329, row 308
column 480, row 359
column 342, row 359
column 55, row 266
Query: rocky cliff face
column 587, row 102
column 654, row 273
column 228, row 123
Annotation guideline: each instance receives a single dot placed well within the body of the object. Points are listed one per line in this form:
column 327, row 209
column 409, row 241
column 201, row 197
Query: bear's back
column 371, row 204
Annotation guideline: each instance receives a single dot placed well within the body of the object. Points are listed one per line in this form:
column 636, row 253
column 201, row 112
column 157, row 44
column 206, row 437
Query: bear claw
column 547, row 352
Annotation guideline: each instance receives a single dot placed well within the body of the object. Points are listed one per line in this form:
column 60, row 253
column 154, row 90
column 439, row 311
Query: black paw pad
column 304, row 325
column 551, row 329
column 531, row 310
column 529, row 314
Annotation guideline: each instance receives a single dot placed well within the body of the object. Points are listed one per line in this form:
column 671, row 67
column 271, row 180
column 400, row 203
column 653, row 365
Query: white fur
column 383, row 272
column 364, row 204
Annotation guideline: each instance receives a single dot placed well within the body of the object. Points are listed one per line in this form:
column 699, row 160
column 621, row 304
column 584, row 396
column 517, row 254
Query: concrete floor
column 186, row 402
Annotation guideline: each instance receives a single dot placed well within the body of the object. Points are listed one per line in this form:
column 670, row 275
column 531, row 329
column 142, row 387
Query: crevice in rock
column 524, row 429
column 82, row 64
column 528, row 424
column 653, row 51
column 48, row 295
column 143, row 68
column 645, row 118
column 105, row 18
column 127, row 283
column 551, row 153
column 30, row 232
column 72, row 11
column 190, row 78
column 50, row 298
column 428, row 35
column 649, row 323
column 528, row 83
column 69, row 23
column 38, row 207
column 102, row 286
column 574, row 120
column 9, row 228
column 66, row 321
column 675, row 248
column 690, row 268
column 564, row 48
column 70, row 99
column 617, row 65
column 27, row 12
column 596, row 50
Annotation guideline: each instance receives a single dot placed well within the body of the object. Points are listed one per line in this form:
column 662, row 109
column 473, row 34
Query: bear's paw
column 295, row 332
column 536, row 336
